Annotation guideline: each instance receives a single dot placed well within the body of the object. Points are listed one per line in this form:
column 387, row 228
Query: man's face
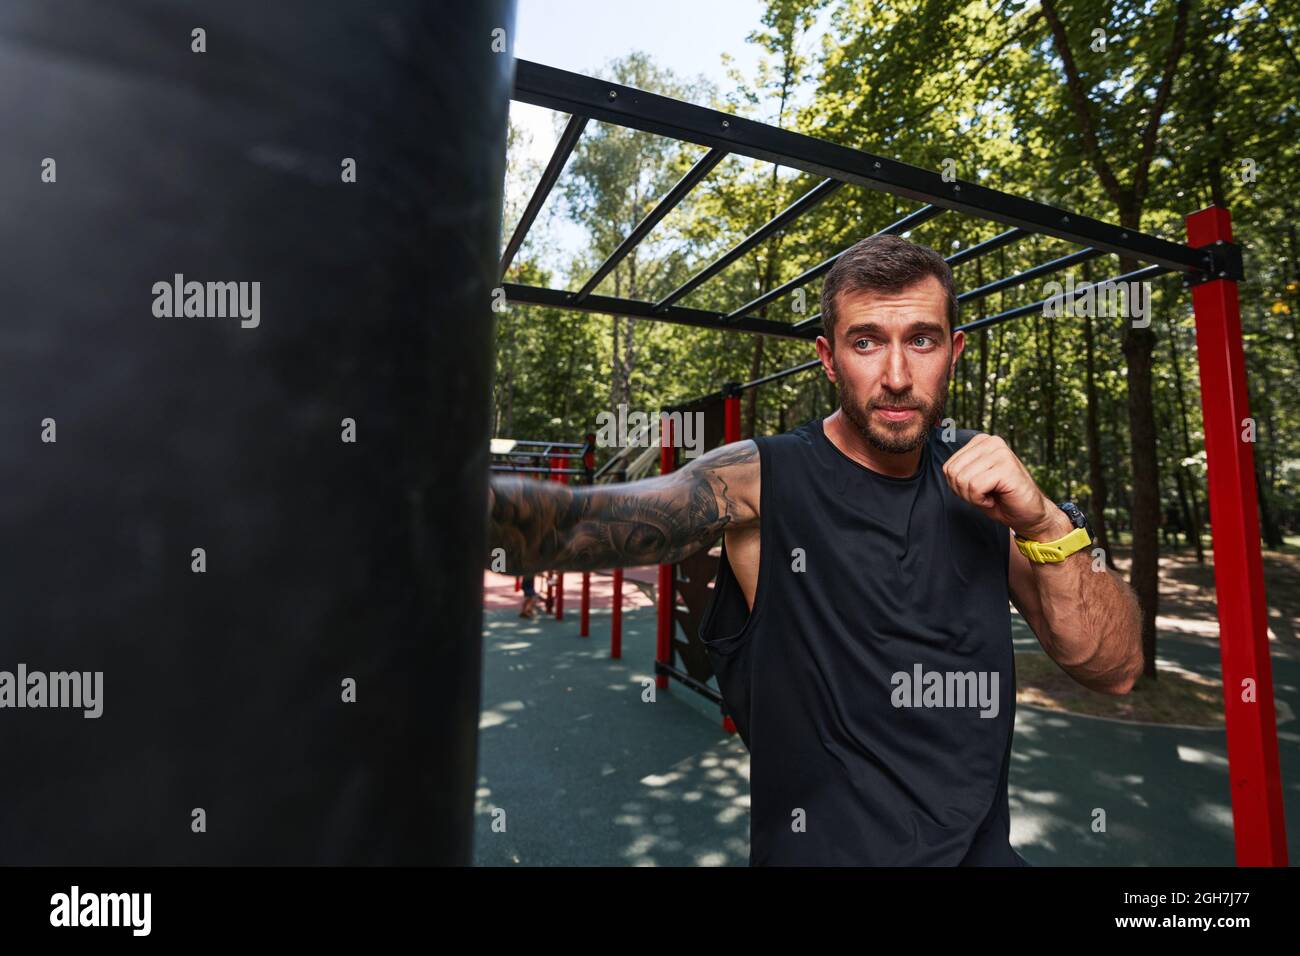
column 892, row 359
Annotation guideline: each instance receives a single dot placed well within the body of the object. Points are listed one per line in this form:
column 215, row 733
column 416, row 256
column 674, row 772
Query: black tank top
column 866, row 583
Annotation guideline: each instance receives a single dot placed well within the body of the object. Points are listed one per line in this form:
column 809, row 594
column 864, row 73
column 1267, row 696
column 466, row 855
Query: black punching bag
column 246, row 341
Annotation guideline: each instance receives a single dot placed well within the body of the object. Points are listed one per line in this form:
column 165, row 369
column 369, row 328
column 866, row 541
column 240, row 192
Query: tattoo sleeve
column 544, row 525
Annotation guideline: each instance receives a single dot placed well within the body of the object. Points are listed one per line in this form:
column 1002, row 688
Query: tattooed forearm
column 543, row 525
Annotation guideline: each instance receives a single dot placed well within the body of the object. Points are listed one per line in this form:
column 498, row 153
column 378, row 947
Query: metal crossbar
column 588, row 98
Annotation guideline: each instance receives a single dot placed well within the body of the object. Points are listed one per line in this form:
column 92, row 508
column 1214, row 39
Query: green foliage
column 984, row 89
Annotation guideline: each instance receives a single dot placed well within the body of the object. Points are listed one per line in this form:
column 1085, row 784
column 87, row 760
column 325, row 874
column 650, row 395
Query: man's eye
column 862, row 343
column 923, row 337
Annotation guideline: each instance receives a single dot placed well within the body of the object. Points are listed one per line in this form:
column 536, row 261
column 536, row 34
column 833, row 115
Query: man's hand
column 1087, row 620
column 987, row 473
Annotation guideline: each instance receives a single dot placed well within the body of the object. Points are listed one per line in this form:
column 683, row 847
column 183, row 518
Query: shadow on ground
column 582, row 771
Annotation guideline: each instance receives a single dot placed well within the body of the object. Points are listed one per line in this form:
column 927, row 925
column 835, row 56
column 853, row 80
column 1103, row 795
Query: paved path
column 590, row 774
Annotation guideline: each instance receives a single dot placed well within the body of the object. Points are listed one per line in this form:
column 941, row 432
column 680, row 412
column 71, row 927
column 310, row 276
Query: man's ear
column 958, row 346
column 827, row 357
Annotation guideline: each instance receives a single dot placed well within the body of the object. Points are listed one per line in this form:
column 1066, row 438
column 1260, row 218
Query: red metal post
column 584, row 627
column 616, row 618
column 560, row 463
column 588, row 468
column 548, row 577
column 665, row 599
column 1258, row 821
column 731, row 428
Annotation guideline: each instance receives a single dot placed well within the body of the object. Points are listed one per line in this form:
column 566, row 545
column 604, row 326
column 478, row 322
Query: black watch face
column 1076, row 515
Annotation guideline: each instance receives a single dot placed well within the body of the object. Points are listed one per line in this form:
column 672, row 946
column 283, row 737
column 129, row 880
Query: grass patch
column 1177, row 697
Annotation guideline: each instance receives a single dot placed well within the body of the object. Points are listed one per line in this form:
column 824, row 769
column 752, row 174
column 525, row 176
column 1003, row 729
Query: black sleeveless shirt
column 873, row 682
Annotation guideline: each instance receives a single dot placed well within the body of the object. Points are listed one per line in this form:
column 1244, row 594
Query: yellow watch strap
column 1054, row 552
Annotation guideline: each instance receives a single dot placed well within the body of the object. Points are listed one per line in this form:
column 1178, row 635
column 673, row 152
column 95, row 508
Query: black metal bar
column 634, row 308
column 956, row 259
column 568, row 139
column 998, row 285
column 1056, row 265
column 703, row 166
column 910, row 221
column 784, row 373
column 1138, row 275
column 987, row 246
column 528, row 469
column 637, row 109
column 778, row 222
column 702, row 689
column 609, row 465
column 547, row 444
column 801, row 280
column 536, row 454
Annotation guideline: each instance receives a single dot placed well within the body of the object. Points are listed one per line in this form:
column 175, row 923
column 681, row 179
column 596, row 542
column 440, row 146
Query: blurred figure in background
column 531, row 601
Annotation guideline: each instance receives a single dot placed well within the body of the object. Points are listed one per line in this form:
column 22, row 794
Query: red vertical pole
column 563, row 479
column 616, row 618
column 588, row 467
column 665, row 597
column 584, row 627
column 549, row 577
column 1258, row 822
column 731, row 428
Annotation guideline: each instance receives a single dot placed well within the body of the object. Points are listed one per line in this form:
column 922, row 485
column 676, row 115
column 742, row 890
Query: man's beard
column 895, row 438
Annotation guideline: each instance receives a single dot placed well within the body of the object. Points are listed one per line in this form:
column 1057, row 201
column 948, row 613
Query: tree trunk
column 1042, row 391
column 1272, row 534
column 977, row 421
column 1051, row 397
column 751, row 400
column 997, row 374
column 1292, row 312
column 1138, row 346
column 1096, row 474
column 1192, row 506
column 1184, row 506
column 1264, row 427
column 983, row 378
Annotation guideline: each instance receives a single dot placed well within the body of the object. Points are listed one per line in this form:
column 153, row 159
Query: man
column 860, row 626
column 532, row 603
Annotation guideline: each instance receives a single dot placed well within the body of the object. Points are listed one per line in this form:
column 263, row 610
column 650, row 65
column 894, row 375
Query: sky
column 685, row 36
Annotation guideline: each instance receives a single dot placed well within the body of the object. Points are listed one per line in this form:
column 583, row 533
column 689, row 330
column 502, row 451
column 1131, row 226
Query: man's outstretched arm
column 545, row 525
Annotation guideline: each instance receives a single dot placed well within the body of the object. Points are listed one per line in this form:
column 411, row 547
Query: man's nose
column 898, row 374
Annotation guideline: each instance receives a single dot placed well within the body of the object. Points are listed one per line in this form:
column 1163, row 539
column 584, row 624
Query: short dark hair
column 884, row 264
